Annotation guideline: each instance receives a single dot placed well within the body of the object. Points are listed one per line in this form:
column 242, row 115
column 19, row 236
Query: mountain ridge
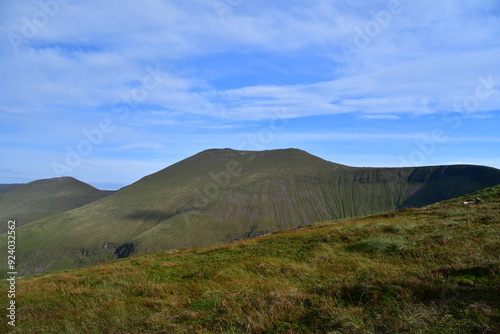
column 218, row 196
column 45, row 198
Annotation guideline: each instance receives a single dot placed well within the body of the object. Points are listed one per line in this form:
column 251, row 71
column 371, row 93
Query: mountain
column 219, row 196
column 44, row 198
column 431, row 270
column 4, row 188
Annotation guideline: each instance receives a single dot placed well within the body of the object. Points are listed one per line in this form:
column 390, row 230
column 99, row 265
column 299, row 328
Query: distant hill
column 8, row 187
column 219, row 196
column 432, row 270
column 44, row 198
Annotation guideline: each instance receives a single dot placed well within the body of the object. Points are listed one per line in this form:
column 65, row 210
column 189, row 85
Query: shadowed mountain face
column 218, row 196
column 44, row 198
column 4, row 188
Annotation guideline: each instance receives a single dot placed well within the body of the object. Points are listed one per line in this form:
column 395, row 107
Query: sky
column 111, row 91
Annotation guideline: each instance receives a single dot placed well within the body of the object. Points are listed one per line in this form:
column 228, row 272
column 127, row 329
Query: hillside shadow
column 451, row 182
column 125, row 250
column 147, row 215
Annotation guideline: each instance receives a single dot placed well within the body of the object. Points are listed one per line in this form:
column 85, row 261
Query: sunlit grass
column 414, row 271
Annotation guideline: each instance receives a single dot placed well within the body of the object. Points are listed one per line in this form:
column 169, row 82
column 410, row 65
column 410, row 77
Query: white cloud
column 142, row 146
column 349, row 136
column 89, row 54
column 380, row 116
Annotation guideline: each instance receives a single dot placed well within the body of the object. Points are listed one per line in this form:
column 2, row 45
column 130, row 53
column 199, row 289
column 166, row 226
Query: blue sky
column 110, row 91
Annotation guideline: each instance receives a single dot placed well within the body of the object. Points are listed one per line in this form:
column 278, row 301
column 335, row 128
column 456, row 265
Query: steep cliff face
column 256, row 203
column 218, row 196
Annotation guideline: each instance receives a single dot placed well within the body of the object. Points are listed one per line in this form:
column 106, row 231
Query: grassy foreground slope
column 45, row 198
column 430, row 270
column 219, row 196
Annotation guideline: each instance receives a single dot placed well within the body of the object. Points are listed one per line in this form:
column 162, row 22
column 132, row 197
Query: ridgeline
column 219, row 196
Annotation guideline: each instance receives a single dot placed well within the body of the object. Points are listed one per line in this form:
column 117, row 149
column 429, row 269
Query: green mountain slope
column 44, row 198
column 4, row 188
column 219, row 196
column 431, row 270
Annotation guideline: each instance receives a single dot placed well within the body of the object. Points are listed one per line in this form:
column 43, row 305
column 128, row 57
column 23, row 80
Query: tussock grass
column 413, row 271
column 379, row 245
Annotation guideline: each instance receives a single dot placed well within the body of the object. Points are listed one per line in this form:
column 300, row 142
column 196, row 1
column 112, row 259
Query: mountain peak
column 249, row 162
column 249, row 155
column 46, row 197
column 221, row 195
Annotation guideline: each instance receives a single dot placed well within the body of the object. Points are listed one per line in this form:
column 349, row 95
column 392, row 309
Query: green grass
column 433, row 270
column 383, row 244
